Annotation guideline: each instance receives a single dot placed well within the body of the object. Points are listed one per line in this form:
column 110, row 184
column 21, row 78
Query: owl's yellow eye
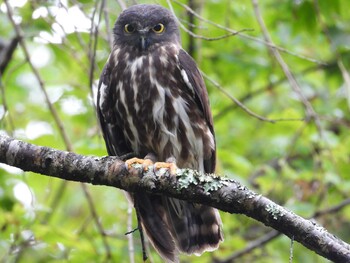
column 128, row 28
column 159, row 28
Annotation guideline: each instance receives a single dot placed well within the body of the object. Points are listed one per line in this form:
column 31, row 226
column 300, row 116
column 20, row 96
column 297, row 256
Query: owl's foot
column 144, row 162
column 150, row 160
column 170, row 165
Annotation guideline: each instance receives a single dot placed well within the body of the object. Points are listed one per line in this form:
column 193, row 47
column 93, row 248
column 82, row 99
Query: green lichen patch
column 209, row 182
column 275, row 211
column 186, row 177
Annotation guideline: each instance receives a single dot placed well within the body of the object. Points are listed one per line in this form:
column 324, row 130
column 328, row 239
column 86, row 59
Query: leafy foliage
column 296, row 156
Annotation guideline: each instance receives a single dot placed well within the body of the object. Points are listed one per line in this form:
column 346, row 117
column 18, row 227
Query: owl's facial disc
column 144, row 27
column 143, row 35
column 148, row 35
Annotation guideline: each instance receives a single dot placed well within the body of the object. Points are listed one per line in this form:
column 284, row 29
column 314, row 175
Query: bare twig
column 310, row 112
column 191, row 21
column 246, row 36
column 93, row 43
column 346, row 77
column 266, row 88
column 122, row 4
column 5, row 105
column 53, row 111
column 251, row 246
column 77, row 33
column 58, row 122
column 131, row 246
column 55, row 201
column 265, row 239
column 291, row 250
column 6, row 51
column 97, row 221
column 333, row 209
column 232, row 33
column 108, row 27
column 243, row 107
column 140, row 228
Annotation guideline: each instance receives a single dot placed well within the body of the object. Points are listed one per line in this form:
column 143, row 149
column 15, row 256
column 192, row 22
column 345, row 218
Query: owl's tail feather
column 173, row 225
column 154, row 222
column 196, row 228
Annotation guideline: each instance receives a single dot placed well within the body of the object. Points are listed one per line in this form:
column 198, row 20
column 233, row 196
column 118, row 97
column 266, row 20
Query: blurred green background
column 294, row 148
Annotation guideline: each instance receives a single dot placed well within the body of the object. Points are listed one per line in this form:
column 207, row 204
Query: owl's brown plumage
column 152, row 100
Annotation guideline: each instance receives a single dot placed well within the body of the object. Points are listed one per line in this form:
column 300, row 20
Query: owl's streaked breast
column 159, row 114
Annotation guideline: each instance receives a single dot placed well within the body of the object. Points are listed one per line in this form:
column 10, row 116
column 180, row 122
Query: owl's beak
column 144, row 41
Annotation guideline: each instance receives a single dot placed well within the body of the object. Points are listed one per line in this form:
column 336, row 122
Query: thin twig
column 93, row 46
column 53, row 111
column 108, row 27
column 310, row 112
column 243, row 107
column 122, row 4
column 250, row 247
column 294, row 139
column 232, row 33
column 6, row 107
column 55, row 201
column 92, row 58
column 140, row 228
column 97, row 221
column 57, row 120
column 36, row 73
column 346, row 77
column 326, row 32
column 77, row 34
column 265, row 239
column 92, row 43
column 131, row 247
column 265, row 88
column 246, row 36
column 191, row 21
column 333, row 209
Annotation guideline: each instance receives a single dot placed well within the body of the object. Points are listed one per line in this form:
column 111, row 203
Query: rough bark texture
column 222, row 193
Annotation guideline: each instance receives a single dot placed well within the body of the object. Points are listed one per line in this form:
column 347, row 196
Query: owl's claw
column 144, row 162
column 172, row 167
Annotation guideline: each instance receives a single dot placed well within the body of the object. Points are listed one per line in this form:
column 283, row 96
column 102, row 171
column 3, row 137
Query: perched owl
column 152, row 101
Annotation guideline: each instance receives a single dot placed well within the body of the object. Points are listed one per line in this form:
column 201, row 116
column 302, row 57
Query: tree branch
column 222, row 193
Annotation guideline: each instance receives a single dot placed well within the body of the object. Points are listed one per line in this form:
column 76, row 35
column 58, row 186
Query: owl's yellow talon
column 170, row 166
column 144, row 162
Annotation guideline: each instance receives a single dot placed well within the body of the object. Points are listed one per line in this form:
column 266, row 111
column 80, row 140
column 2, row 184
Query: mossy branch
column 225, row 194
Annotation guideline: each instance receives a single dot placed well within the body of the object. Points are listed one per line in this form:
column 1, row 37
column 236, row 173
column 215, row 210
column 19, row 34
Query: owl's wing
column 150, row 207
column 195, row 82
column 108, row 117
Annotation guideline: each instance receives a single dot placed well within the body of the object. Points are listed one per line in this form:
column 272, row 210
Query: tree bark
column 225, row 194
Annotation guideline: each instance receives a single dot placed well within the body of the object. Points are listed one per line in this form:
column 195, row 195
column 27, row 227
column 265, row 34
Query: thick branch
column 224, row 194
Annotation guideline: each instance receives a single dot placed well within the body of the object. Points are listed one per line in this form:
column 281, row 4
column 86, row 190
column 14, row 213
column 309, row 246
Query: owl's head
column 142, row 26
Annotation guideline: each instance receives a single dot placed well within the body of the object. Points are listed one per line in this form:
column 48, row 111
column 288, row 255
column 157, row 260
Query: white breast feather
column 102, row 91
column 134, row 142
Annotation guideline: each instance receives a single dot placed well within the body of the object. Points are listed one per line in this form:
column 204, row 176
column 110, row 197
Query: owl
column 152, row 102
